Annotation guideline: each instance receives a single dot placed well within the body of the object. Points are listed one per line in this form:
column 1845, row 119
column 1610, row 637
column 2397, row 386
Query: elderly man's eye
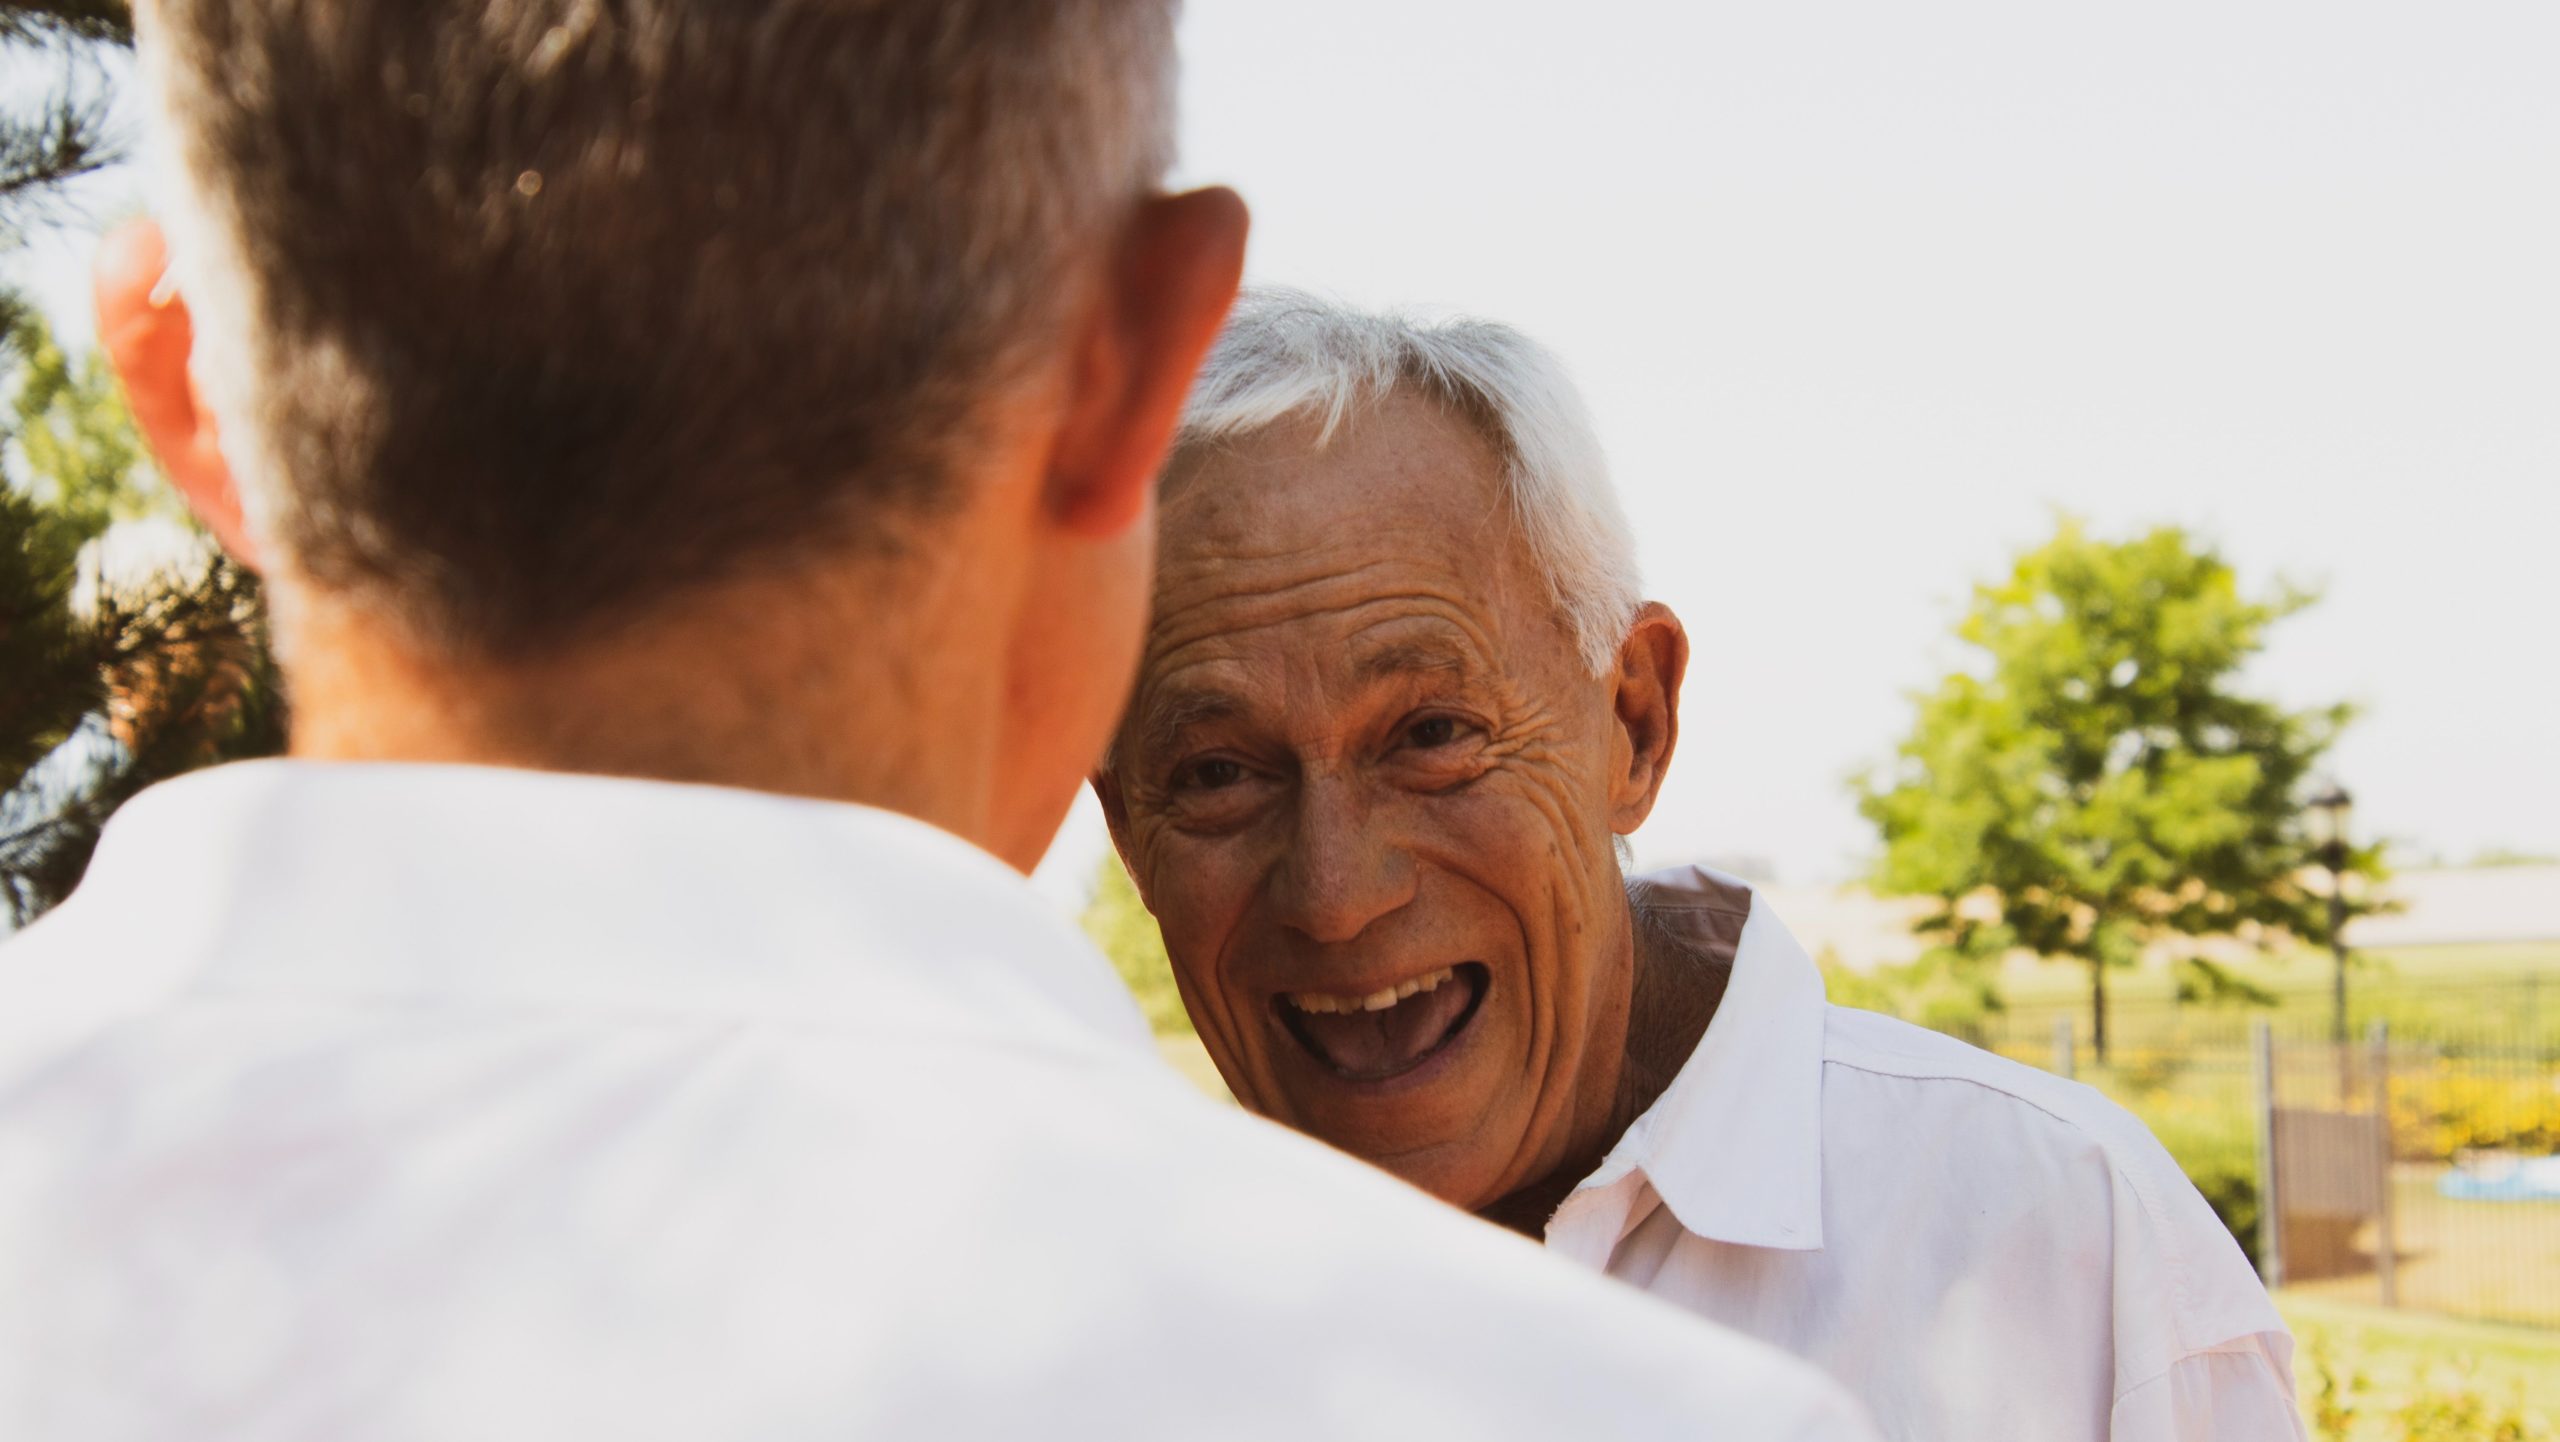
column 1432, row 732
column 1211, row 773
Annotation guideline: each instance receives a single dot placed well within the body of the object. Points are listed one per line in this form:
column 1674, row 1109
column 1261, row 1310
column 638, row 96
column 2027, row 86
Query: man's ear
column 1115, row 815
column 1176, row 273
column 1651, row 663
column 148, row 334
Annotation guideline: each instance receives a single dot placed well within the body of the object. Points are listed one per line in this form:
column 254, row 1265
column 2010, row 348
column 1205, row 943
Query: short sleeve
column 2241, row 1391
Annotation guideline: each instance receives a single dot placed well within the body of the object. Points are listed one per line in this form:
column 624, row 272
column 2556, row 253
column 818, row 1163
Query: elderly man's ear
column 1115, row 816
column 1651, row 663
column 144, row 325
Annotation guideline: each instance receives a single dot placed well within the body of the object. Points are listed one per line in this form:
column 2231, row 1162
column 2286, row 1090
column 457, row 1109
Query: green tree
column 116, row 681
column 2096, row 784
column 53, row 136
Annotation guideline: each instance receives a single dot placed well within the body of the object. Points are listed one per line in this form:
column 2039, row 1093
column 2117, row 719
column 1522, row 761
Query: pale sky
column 1863, row 294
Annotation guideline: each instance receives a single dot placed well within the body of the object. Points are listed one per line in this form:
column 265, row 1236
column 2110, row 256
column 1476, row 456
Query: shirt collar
column 440, row 884
column 1734, row 1145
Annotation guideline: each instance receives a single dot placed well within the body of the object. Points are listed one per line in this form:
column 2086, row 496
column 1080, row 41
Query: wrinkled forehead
column 1403, row 494
column 1387, row 546
column 1404, row 459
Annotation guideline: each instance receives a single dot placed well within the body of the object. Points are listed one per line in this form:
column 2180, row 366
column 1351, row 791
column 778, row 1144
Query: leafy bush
column 1943, row 990
column 2446, row 1109
column 2444, row 1404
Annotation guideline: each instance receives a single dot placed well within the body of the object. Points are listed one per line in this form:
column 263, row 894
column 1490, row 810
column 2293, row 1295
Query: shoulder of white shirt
column 1872, row 1042
column 2215, row 1297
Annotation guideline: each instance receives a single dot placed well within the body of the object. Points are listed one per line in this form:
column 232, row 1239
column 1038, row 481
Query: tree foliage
column 117, row 675
column 2098, row 783
column 117, row 679
column 53, row 136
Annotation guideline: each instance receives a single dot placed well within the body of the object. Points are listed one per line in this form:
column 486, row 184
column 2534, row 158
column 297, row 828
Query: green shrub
column 2443, row 1403
column 2442, row 1110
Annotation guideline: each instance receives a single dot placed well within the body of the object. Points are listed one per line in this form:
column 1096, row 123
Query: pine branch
column 188, row 683
column 102, row 22
column 66, row 134
column 67, row 139
column 53, row 673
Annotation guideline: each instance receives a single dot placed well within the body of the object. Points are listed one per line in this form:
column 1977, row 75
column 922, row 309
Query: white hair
column 1286, row 353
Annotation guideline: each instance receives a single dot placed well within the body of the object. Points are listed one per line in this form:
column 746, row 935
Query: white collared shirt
column 435, row 1103
column 1981, row 1251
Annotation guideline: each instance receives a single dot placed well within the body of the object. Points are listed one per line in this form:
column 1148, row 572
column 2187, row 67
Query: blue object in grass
column 2535, row 1179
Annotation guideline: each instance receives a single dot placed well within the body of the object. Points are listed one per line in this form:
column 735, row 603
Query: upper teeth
column 1379, row 1000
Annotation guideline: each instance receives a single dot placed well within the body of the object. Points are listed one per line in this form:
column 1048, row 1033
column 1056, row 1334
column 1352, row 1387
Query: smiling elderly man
column 1400, row 697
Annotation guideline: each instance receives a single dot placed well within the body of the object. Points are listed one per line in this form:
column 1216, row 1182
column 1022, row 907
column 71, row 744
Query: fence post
column 2386, row 1244
column 2065, row 1064
column 2270, row 1214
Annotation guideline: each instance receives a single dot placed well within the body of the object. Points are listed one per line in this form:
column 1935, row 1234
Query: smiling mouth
column 1386, row 1033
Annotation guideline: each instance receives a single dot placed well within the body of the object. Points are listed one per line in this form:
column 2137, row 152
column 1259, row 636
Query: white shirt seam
column 2025, row 1101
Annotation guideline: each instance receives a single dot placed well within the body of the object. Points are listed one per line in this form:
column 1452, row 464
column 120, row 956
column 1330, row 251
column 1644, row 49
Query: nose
column 1342, row 871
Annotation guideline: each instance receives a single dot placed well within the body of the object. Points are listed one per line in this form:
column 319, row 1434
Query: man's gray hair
column 1288, row 354
column 518, row 315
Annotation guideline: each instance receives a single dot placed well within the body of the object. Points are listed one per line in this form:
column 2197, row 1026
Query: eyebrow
column 1169, row 715
column 1405, row 658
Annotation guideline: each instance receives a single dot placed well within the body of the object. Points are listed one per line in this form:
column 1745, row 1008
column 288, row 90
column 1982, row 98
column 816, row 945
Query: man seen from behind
column 701, row 457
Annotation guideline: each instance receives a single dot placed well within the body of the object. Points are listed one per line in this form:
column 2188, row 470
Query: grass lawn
column 2407, row 1376
column 2298, row 971
column 2508, row 993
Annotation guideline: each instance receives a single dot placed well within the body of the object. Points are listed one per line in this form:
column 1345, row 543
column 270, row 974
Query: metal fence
column 2498, row 1016
column 2416, row 1166
column 2413, row 1174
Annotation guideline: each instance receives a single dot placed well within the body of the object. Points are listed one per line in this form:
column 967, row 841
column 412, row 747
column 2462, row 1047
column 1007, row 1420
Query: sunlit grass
column 2406, row 1375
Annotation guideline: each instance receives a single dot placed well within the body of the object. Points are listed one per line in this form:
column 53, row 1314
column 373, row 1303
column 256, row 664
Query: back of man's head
column 518, row 312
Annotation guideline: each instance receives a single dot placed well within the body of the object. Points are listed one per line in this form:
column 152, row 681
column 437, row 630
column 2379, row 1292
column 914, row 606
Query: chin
column 1411, row 1073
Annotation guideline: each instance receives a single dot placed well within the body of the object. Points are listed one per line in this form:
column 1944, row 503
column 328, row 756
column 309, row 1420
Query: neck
column 831, row 685
column 1674, row 994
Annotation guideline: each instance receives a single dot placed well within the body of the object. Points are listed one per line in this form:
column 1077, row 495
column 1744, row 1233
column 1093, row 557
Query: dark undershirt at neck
column 1685, row 939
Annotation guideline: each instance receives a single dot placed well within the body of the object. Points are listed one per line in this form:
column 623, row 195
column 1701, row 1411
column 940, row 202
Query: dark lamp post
column 2331, row 807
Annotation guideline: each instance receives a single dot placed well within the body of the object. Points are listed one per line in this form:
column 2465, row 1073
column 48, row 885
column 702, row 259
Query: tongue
column 1369, row 1045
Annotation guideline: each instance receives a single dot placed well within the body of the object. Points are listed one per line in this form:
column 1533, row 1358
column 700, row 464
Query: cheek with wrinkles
column 1202, row 893
column 1547, row 855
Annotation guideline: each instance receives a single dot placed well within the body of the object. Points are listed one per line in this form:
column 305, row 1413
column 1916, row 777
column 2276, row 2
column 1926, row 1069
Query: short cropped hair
column 518, row 314
column 1288, row 354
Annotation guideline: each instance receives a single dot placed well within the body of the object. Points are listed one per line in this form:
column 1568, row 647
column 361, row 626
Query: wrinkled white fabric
column 437, row 1103
column 1981, row 1251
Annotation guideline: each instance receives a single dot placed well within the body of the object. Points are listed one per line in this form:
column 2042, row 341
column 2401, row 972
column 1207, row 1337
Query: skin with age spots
column 1365, row 751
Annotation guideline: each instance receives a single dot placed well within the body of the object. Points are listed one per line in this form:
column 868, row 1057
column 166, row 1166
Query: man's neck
column 798, row 688
column 1675, row 995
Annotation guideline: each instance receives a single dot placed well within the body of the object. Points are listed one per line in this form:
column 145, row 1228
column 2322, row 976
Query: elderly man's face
column 1368, row 786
